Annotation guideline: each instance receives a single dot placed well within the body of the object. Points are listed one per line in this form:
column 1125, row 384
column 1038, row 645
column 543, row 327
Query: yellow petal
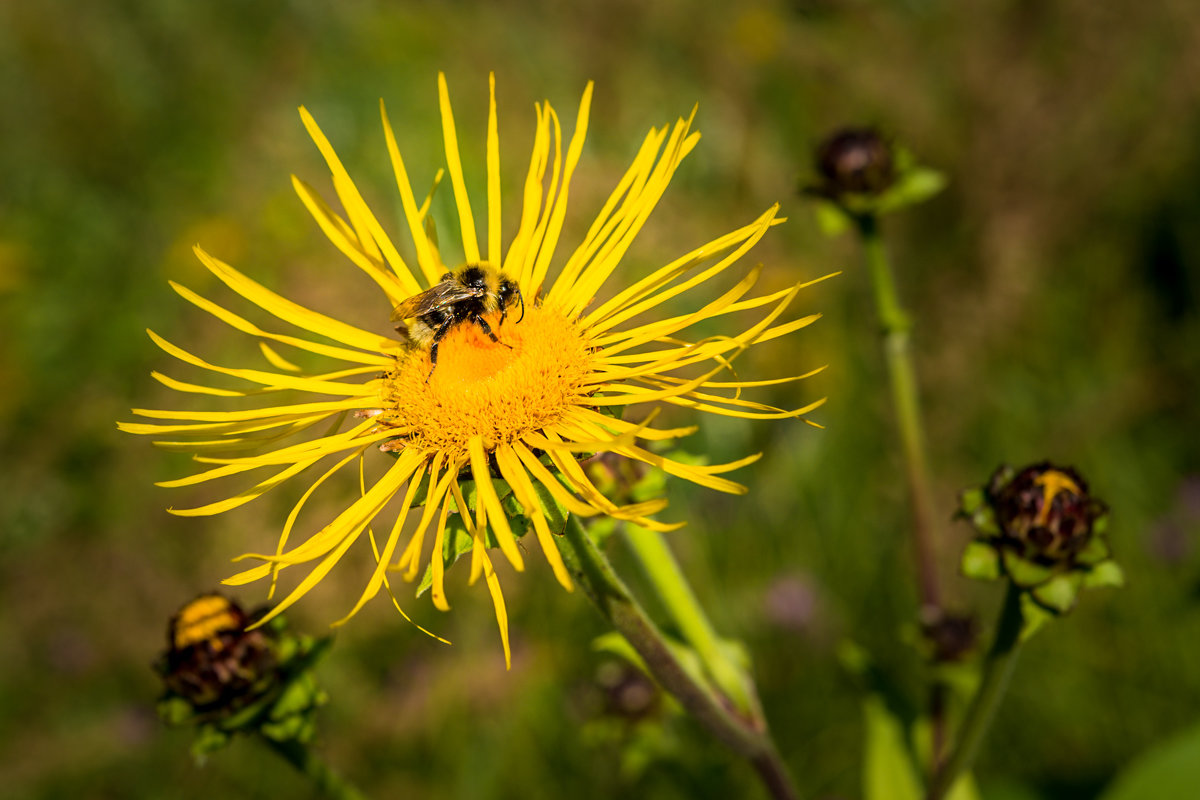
column 518, row 479
column 486, row 494
column 294, row 313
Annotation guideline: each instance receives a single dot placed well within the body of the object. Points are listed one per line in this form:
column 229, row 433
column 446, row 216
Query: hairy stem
column 667, row 581
column 746, row 737
column 1001, row 659
column 896, row 325
column 327, row 782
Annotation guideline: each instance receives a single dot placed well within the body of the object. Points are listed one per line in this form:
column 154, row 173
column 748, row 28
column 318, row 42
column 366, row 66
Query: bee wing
column 444, row 293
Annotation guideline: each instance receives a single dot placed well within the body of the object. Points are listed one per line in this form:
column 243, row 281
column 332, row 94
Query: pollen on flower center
column 497, row 390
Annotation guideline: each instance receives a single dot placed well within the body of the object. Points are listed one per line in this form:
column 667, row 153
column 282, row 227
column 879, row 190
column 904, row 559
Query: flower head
column 855, row 161
column 486, row 445
column 224, row 676
column 1042, row 529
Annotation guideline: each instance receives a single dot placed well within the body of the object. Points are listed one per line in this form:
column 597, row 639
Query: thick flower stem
column 1001, row 659
column 747, row 737
column 896, row 324
column 667, row 581
column 327, row 782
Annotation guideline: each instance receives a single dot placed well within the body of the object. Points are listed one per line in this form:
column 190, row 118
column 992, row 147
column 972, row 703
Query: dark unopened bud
column 855, row 161
column 1044, row 511
column 950, row 637
column 628, row 693
column 1041, row 529
column 212, row 661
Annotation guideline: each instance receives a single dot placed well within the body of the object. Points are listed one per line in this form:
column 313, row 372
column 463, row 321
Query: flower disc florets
column 499, row 391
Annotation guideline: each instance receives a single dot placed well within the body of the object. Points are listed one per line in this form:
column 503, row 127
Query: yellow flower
column 518, row 410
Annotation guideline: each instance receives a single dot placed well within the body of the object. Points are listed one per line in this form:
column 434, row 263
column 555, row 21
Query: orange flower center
column 497, row 390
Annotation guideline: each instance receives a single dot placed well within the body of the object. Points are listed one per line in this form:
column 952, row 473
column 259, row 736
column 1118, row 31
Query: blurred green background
column 1055, row 283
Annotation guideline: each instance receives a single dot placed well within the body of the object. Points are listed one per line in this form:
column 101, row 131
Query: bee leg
column 433, row 347
column 488, row 330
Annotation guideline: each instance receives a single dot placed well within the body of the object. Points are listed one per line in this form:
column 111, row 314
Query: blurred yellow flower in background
column 498, row 423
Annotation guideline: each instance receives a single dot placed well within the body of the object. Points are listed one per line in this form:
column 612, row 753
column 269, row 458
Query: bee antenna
column 522, row 305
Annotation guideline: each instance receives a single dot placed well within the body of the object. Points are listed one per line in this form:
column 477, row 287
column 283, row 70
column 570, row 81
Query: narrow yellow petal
column 295, row 513
column 686, row 402
column 495, row 249
column 193, row 388
column 635, row 394
column 518, row 479
column 563, row 292
column 242, row 498
column 276, row 360
column 438, row 590
column 610, row 254
column 410, row 559
column 294, row 313
column 360, row 435
column 559, row 492
column 596, row 324
column 493, row 583
column 233, row 427
column 364, row 256
column 241, row 324
column 384, row 557
column 351, row 521
column 281, row 414
column 515, row 260
column 271, row 379
column 369, row 232
column 526, row 269
column 454, row 165
column 486, row 494
column 641, row 430
column 415, row 219
column 559, row 212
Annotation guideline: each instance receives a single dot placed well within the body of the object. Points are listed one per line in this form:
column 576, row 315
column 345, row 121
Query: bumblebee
column 464, row 295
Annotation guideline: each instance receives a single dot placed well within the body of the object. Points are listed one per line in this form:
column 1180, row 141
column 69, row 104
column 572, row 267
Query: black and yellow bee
column 463, row 295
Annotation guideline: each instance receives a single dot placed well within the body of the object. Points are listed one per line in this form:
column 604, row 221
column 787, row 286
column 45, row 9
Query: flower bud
column 212, row 661
column 950, row 637
column 1041, row 529
column 855, row 161
column 1044, row 511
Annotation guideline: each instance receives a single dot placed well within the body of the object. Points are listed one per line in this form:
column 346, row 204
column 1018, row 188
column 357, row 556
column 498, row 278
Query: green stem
column 328, row 782
column 998, row 667
column 747, row 738
column 896, row 325
column 676, row 595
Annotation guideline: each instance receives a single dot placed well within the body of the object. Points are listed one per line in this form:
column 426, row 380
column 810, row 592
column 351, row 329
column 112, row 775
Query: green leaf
column 1060, row 593
column 1170, row 768
column 971, row 501
column 980, row 561
column 831, row 219
column 1025, row 573
column 1104, row 574
column 888, row 769
column 208, row 739
column 1033, row 616
column 913, row 186
column 455, row 544
column 1097, row 550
